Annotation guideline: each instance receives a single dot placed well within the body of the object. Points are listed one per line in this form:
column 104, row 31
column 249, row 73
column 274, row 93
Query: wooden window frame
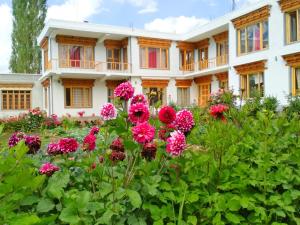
column 245, row 84
column 295, row 92
column 146, row 55
column 261, row 26
column 186, row 66
column 91, row 63
column 85, row 104
column 115, row 64
column 203, row 63
column 21, row 92
column 288, row 26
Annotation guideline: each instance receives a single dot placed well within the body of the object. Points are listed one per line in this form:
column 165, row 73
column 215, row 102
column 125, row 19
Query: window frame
column 89, row 104
column 288, row 26
column 261, row 44
column 245, row 84
column 25, row 95
column 188, row 98
column 295, row 92
column 146, row 55
column 183, row 65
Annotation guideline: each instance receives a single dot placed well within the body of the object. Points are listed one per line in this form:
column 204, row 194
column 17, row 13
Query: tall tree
column 28, row 21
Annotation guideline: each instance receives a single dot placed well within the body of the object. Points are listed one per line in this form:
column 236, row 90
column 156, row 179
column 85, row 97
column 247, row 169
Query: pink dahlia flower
column 108, row 112
column 53, row 149
column 176, row 143
column 143, row 133
column 138, row 113
column 140, row 98
column 67, row 145
column 167, row 115
column 217, row 111
column 15, row 138
column 33, row 143
column 184, row 121
column 48, row 169
column 89, row 143
column 149, row 151
column 124, row 91
column 117, row 145
column 94, row 130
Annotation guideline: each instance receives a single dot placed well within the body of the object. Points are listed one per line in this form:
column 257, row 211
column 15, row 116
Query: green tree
column 28, row 21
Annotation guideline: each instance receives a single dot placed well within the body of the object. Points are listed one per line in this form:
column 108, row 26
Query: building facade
column 251, row 50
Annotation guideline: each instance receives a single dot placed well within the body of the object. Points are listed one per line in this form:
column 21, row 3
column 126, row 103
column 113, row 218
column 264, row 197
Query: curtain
column 152, row 58
column 256, row 37
column 75, row 56
column 89, row 61
column 63, row 56
column 164, row 63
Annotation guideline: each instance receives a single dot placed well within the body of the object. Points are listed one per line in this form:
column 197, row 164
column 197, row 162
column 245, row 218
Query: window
column 203, row 58
column 154, row 58
column 252, row 84
column 296, row 81
column 125, row 58
column 253, row 38
column 155, row 95
column 76, row 56
column 16, row 99
column 183, row 96
column 204, row 94
column 292, row 26
column 110, row 95
column 78, row 97
column 223, row 84
column 113, row 58
column 222, row 53
column 186, row 60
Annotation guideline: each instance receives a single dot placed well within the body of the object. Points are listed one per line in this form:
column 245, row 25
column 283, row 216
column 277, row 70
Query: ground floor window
column 155, row 95
column 78, row 97
column 16, row 99
column 204, row 94
column 223, row 84
column 252, row 84
column 183, row 96
column 296, row 81
column 110, row 94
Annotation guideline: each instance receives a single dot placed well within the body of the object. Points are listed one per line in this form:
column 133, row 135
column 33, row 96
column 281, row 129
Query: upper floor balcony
column 87, row 66
column 206, row 64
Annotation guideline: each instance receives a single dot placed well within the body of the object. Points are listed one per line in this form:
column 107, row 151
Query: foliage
column 29, row 17
column 242, row 170
column 293, row 107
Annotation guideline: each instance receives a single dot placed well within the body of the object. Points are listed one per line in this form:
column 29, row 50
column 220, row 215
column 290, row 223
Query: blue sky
column 175, row 16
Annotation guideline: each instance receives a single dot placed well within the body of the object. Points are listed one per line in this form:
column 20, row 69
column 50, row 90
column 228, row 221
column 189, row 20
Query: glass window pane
column 250, row 38
column 297, row 80
column 243, row 40
column 256, row 38
column 265, row 34
column 293, row 26
column 164, row 59
column 68, row 97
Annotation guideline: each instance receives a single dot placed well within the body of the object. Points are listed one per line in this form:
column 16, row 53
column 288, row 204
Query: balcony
column 88, row 66
column 206, row 64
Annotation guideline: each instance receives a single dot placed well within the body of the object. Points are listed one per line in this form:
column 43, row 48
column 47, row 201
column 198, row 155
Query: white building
column 253, row 49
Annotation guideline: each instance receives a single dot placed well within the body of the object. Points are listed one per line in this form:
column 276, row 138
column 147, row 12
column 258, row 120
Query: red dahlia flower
column 176, row 143
column 140, row 98
column 89, row 143
column 167, row 115
column 165, row 131
column 33, row 143
column 184, row 121
column 94, row 130
column 217, row 111
column 143, row 133
column 138, row 113
column 124, row 91
column 149, row 151
column 67, row 145
column 48, row 169
column 53, row 149
column 117, row 156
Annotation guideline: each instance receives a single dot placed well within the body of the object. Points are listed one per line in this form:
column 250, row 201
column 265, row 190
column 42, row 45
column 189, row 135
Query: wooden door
column 204, row 93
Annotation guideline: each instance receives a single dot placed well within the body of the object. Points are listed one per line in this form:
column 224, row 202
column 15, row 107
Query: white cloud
column 75, row 10
column 176, row 25
column 5, row 37
column 147, row 6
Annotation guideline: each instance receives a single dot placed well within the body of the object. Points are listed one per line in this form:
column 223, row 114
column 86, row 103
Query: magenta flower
column 176, row 143
column 67, row 145
column 33, row 143
column 81, row 113
column 143, row 133
column 138, row 113
column 53, row 149
column 140, row 98
column 184, row 121
column 217, row 111
column 48, row 169
column 165, row 131
column 108, row 112
column 15, row 138
column 89, row 143
column 94, row 130
column 167, row 115
column 124, row 91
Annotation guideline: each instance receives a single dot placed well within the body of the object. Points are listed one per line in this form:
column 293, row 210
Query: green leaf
column 135, row 198
column 106, row 217
column 234, row 204
column 232, row 218
column 69, row 215
column 45, row 205
column 83, row 199
column 192, row 220
column 25, row 219
column 29, row 200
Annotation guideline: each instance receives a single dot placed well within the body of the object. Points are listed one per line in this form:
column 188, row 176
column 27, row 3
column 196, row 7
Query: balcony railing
column 94, row 66
column 206, row 64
